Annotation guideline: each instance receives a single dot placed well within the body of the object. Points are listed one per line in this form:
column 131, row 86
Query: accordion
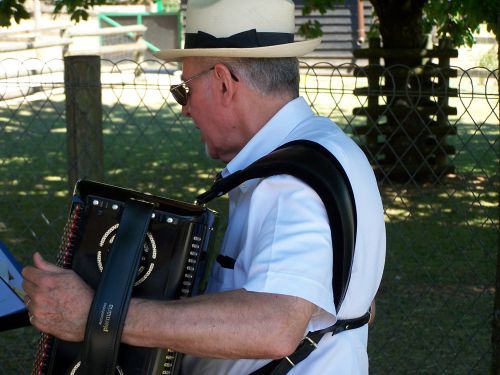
column 126, row 244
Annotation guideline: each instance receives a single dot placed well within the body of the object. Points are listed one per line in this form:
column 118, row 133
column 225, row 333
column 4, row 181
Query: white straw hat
column 240, row 28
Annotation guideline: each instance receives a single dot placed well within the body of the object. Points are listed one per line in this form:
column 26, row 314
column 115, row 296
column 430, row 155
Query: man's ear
column 226, row 84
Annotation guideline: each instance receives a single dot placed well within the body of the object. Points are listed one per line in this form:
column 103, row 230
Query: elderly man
column 241, row 88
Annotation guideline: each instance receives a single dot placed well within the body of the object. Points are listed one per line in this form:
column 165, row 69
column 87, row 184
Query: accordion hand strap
column 109, row 307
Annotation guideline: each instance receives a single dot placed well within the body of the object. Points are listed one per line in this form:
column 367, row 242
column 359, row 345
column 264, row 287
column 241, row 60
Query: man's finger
column 30, row 275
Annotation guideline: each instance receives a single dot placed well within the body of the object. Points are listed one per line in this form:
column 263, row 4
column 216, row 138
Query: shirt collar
column 271, row 135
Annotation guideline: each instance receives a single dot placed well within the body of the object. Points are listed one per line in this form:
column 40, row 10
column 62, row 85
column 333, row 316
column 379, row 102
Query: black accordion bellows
column 169, row 264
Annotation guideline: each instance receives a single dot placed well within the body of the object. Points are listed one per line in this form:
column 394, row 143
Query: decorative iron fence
column 435, row 304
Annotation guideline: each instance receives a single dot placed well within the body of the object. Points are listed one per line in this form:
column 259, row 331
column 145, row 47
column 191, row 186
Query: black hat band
column 245, row 39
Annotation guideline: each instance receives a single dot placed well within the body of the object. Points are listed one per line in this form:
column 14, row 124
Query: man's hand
column 58, row 300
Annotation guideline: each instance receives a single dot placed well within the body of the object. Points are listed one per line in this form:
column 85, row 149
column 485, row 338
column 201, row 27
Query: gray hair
column 269, row 76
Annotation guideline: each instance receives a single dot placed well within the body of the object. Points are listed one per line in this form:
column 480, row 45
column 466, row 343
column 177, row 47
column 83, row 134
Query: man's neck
column 257, row 112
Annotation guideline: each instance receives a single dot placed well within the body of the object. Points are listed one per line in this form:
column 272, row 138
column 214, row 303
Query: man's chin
column 207, row 152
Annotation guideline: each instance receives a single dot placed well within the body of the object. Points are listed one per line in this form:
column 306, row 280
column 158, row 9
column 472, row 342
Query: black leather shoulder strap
column 110, row 304
column 317, row 167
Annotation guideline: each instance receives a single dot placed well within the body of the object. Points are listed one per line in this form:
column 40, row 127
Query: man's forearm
column 236, row 324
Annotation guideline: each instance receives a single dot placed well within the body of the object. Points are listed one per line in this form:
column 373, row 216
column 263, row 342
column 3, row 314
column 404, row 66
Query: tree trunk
column 410, row 149
column 401, row 27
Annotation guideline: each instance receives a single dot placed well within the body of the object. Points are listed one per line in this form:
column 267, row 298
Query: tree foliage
column 15, row 9
column 12, row 9
column 457, row 20
column 454, row 19
column 77, row 8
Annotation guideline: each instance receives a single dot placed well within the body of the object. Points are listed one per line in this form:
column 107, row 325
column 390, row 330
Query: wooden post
column 373, row 75
column 139, row 54
column 443, row 104
column 361, row 23
column 82, row 82
column 443, row 83
column 372, row 120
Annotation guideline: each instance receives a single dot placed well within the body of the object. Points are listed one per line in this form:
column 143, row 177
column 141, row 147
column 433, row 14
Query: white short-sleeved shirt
column 279, row 235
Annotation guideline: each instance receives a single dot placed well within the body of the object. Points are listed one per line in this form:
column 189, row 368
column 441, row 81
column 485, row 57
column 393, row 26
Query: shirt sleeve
column 291, row 247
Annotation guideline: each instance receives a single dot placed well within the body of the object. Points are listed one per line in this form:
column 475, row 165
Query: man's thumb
column 43, row 264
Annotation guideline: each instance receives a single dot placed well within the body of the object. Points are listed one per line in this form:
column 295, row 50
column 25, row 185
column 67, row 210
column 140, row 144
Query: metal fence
column 435, row 304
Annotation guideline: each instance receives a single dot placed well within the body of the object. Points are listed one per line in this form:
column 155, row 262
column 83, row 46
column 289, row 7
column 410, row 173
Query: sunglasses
column 180, row 92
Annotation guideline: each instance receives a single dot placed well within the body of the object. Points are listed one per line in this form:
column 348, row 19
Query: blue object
column 11, row 291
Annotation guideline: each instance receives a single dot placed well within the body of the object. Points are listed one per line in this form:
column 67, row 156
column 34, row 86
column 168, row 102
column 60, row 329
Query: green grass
column 434, row 307
column 436, row 299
